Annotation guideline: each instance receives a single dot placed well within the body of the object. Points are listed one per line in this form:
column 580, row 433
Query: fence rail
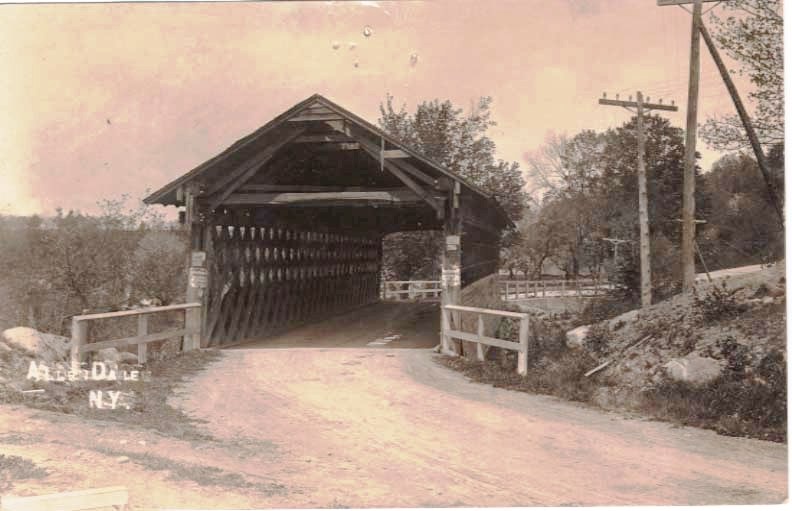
column 522, row 289
column 410, row 289
column 191, row 331
column 451, row 329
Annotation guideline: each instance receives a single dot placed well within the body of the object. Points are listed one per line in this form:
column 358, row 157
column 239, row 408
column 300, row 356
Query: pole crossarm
column 634, row 104
column 643, row 196
column 665, row 3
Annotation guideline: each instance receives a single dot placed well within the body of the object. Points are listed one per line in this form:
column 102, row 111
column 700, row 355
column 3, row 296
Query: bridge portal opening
column 287, row 224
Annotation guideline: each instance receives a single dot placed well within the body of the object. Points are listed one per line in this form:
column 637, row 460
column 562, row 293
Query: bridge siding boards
column 269, row 278
column 287, row 232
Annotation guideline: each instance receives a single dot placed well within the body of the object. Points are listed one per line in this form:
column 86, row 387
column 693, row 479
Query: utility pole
column 689, row 177
column 643, row 198
column 616, row 242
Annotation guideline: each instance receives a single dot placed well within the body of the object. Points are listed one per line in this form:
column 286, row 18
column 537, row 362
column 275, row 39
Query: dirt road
column 372, row 426
column 377, row 427
column 383, row 324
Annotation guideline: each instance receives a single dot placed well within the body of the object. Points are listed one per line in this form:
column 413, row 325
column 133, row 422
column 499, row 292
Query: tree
column 536, row 240
column 459, row 142
column 156, row 268
column 741, row 227
column 590, row 190
column 751, row 32
column 72, row 262
column 411, row 255
column 546, row 170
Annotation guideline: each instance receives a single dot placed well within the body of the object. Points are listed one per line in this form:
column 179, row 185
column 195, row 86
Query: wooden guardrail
column 191, row 331
column 520, row 289
column 450, row 318
column 410, row 289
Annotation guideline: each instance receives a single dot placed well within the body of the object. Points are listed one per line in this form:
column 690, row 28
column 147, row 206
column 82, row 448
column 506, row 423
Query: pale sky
column 104, row 99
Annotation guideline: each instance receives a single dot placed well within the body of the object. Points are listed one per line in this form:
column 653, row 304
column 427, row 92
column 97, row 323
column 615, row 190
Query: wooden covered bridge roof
column 319, row 157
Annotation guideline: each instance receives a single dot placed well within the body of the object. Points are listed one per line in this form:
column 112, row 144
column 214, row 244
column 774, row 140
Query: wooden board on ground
column 109, row 497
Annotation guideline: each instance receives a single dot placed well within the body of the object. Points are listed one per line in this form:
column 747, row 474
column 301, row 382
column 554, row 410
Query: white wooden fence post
column 142, row 329
column 192, row 322
column 78, row 340
column 522, row 355
column 479, row 346
column 446, row 326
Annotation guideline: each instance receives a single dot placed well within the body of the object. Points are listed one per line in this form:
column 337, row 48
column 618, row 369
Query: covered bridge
column 286, row 225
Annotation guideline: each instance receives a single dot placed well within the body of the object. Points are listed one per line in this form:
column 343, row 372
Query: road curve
column 373, row 427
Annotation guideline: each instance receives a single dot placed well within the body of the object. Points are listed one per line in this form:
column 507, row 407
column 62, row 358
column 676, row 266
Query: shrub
column 735, row 403
column 737, row 355
column 15, row 467
column 601, row 309
column 717, row 303
column 157, row 267
column 562, row 376
column 598, row 338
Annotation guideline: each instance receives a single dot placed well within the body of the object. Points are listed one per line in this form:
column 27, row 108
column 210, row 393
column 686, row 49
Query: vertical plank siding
column 265, row 279
column 481, row 254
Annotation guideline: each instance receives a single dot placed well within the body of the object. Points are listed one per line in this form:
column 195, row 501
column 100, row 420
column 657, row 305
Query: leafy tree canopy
column 459, row 142
column 752, row 33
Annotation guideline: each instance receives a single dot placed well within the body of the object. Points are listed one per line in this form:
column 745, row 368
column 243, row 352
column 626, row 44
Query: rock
column 627, row 317
column 122, row 459
column 767, row 300
column 108, row 355
column 693, row 369
column 126, row 357
column 576, row 337
column 4, row 347
column 47, row 347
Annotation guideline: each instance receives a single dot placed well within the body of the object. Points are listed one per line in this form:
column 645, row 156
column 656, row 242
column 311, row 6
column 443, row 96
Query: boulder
column 47, row 347
column 107, row 355
column 576, row 338
column 693, row 369
column 126, row 357
column 627, row 317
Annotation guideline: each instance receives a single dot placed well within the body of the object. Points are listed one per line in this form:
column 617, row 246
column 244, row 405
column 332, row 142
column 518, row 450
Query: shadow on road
column 380, row 325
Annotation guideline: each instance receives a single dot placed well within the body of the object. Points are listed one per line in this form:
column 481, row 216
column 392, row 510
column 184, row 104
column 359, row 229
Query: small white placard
column 452, row 242
column 199, row 277
column 197, row 258
column 451, row 278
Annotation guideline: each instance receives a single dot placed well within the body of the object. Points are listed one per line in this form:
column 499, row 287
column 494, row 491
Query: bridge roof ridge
column 167, row 193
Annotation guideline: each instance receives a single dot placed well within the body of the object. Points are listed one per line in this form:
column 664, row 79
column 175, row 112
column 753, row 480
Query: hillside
column 715, row 358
